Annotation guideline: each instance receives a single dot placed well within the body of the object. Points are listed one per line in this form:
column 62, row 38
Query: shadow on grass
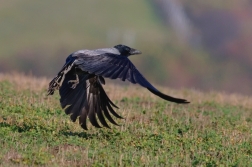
column 22, row 128
column 107, row 135
column 101, row 134
column 12, row 127
column 79, row 134
column 4, row 124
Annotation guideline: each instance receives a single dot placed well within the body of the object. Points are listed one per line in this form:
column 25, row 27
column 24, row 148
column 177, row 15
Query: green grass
column 214, row 130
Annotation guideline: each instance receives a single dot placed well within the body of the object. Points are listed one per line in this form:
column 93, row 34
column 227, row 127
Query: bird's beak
column 135, row 52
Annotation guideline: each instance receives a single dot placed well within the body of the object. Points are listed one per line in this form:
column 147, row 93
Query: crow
column 81, row 78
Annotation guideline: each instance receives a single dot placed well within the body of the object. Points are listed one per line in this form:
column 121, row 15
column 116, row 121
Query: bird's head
column 126, row 51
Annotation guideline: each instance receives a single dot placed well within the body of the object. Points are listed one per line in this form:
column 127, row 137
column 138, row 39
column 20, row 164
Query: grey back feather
column 96, row 52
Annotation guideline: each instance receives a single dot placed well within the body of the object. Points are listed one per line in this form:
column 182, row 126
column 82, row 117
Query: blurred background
column 206, row 45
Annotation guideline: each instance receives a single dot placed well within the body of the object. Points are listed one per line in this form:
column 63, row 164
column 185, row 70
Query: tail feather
column 83, row 118
column 93, row 110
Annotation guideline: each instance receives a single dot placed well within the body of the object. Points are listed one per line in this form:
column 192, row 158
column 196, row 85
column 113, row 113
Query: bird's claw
column 75, row 82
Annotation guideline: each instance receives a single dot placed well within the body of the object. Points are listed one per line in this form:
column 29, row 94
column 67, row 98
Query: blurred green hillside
column 37, row 36
column 50, row 30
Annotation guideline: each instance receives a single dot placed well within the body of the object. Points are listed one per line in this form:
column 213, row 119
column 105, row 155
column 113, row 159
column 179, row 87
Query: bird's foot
column 75, row 82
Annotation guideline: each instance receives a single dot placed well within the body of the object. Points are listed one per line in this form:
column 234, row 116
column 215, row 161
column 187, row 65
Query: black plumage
column 80, row 83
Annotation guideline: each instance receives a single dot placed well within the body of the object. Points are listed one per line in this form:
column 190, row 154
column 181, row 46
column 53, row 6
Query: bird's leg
column 75, row 82
column 61, row 80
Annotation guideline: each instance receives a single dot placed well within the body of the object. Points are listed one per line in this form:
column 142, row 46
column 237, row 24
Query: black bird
column 81, row 78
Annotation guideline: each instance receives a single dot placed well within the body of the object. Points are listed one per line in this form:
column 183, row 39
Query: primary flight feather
column 81, row 78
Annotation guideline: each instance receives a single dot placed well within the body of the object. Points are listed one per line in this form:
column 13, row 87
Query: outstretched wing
column 115, row 66
column 87, row 99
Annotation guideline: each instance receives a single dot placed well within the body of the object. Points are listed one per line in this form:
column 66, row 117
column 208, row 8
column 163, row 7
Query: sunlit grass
column 213, row 130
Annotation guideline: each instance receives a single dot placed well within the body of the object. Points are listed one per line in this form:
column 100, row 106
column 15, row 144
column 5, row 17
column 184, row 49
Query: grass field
column 215, row 129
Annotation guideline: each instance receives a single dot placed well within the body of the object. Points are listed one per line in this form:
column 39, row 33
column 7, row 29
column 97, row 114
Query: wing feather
column 106, row 113
column 73, row 99
column 106, row 65
column 87, row 100
column 99, row 113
